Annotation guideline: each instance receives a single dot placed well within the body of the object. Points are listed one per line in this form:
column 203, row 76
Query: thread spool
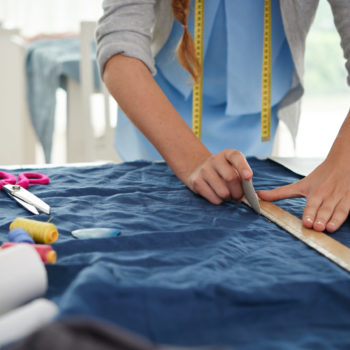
column 41, row 232
column 46, row 253
column 19, row 235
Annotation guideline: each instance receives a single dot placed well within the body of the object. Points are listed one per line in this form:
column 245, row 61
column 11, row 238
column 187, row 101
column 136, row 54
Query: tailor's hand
column 219, row 177
column 327, row 190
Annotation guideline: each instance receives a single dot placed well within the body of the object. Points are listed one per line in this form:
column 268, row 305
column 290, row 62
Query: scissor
column 16, row 189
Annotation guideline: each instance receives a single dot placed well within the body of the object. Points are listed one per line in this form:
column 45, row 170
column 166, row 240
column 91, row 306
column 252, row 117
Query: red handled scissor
column 16, row 189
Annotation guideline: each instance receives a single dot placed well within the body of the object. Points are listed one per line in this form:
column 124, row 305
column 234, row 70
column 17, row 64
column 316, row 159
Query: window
column 327, row 96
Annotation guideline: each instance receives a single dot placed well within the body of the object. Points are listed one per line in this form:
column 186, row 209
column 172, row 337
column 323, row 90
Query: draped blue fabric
column 231, row 84
column 49, row 63
column 184, row 271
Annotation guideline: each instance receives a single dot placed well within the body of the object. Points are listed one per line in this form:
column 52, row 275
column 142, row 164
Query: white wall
column 49, row 16
column 327, row 96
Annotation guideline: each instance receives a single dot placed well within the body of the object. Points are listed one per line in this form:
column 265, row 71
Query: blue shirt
column 233, row 40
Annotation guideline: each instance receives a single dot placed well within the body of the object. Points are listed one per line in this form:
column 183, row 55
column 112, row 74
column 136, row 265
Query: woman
column 131, row 33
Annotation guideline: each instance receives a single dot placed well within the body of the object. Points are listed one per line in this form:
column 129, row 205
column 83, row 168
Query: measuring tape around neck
column 197, row 99
column 266, row 75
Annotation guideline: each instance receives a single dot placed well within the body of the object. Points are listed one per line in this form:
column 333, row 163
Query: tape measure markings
column 197, row 98
column 266, row 75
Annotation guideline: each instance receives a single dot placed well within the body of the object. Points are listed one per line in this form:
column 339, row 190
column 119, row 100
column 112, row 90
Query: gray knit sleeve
column 341, row 12
column 126, row 28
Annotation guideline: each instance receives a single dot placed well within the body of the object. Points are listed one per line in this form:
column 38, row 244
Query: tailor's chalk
column 96, row 232
column 19, row 235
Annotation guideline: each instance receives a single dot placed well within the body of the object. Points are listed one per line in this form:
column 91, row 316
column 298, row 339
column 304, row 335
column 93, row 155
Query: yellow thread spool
column 41, row 232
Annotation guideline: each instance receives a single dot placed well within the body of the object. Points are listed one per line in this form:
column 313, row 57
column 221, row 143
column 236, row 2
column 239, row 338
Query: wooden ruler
column 197, row 98
column 322, row 243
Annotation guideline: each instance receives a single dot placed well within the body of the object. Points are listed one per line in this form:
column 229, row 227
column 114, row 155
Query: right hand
column 219, row 177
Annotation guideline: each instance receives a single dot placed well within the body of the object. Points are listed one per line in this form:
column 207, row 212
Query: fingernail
column 308, row 220
column 246, row 174
column 320, row 223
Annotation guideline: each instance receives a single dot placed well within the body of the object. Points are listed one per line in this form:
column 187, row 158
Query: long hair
column 185, row 49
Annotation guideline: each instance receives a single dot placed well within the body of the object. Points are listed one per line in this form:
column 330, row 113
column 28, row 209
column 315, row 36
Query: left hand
column 327, row 190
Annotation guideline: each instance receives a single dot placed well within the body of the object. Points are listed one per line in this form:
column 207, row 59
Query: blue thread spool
column 20, row 235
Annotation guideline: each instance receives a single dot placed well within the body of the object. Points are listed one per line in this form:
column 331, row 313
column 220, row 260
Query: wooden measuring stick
column 321, row 242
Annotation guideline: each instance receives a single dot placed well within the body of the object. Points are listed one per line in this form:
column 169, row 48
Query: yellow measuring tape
column 197, row 99
column 266, row 75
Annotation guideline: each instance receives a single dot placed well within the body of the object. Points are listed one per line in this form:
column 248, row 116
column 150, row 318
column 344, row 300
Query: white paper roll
column 24, row 320
column 23, row 276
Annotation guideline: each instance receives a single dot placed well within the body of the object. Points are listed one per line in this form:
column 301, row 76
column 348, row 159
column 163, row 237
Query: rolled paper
column 41, row 232
column 20, row 235
column 26, row 319
column 23, row 276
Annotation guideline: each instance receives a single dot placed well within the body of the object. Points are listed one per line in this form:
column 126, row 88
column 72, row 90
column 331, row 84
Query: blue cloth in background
column 184, row 271
column 49, row 63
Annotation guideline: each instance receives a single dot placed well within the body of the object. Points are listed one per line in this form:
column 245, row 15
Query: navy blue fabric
column 184, row 271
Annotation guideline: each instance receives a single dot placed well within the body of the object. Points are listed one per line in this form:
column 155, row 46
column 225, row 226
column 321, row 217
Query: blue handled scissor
column 16, row 189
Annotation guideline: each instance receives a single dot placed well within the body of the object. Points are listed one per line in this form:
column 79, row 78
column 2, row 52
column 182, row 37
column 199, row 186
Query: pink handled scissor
column 16, row 189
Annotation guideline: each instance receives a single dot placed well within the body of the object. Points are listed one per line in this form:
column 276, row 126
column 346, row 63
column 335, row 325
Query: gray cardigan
column 140, row 28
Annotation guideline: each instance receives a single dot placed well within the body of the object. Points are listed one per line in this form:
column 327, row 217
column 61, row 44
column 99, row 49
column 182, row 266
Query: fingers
column 216, row 183
column 322, row 211
column 310, row 214
column 288, row 191
column 218, row 179
column 239, row 162
column 340, row 214
column 230, row 175
column 325, row 214
column 202, row 187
